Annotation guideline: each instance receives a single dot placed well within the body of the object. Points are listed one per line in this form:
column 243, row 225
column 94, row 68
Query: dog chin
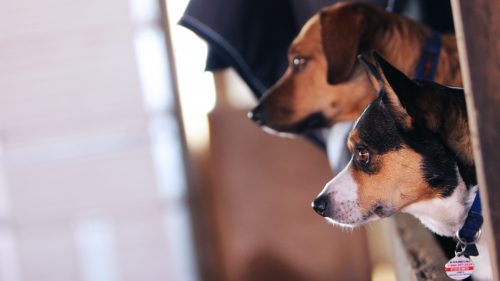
column 356, row 223
column 343, row 225
column 282, row 134
column 353, row 224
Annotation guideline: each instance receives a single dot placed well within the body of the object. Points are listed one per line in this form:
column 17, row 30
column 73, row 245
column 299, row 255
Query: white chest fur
column 444, row 216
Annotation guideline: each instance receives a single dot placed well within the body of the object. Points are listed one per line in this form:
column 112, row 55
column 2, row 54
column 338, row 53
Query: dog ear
column 414, row 103
column 372, row 72
column 346, row 31
column 399, row 91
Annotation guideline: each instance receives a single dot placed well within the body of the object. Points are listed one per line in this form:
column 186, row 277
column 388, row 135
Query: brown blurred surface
column 260, row 189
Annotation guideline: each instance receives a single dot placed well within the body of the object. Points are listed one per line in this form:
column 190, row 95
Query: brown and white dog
column 411, row 152
column 324, row 84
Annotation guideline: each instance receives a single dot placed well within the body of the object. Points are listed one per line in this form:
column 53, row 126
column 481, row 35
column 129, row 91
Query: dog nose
column 320, row 206
column 257, row 115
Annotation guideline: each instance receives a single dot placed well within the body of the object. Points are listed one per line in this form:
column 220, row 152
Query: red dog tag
column 459, row 268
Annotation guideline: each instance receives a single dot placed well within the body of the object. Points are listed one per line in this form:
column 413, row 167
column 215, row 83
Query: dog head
column 323, row 83
column 402, row 159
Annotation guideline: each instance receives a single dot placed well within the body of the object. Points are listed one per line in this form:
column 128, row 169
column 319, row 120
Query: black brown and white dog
column 411, row 152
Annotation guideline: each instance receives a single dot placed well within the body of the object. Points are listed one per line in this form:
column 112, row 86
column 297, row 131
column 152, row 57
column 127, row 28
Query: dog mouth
column 351, row 221
column 348, row 219
column 315, row 120
column 381, row 210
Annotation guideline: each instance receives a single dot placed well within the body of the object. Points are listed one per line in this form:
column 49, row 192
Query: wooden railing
column 477, row 26
column 416, row 254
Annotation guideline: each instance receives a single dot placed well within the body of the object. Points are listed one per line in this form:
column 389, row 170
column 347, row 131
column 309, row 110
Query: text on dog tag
column 459, row 268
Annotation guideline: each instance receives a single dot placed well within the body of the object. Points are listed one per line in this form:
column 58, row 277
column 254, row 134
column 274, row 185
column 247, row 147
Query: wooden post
column 477, row 25
column 206, row 255
column 417, row 255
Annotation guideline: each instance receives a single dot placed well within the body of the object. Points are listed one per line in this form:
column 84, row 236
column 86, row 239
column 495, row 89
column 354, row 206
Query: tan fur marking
column 457, row 135
column 448, row 71
column 353, row 139
column 399, row 181
column 450, row 121
column 308, row 92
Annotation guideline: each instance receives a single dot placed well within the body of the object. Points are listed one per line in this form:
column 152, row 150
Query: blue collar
column 428, row 63
column 473, row 222
column 469, row 232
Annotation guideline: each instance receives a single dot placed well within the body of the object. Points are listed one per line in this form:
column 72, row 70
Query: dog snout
column 321, row 206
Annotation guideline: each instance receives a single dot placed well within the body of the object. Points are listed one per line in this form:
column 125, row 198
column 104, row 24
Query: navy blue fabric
column 472, row 224
column 429, row 59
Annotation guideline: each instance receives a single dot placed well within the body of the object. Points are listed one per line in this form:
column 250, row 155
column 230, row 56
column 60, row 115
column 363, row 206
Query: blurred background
column 122, row 159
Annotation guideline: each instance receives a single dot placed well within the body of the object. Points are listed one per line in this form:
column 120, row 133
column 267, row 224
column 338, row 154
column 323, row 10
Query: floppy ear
column 345, row 31
column 400, row 91
column 372, row 72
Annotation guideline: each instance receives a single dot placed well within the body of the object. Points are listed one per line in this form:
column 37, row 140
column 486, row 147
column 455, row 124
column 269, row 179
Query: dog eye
column 362, row 155
column 299, row 63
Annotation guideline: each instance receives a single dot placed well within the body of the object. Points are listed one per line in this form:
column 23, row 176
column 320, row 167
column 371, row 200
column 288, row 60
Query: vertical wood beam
column 477, row 25
column 206, row 254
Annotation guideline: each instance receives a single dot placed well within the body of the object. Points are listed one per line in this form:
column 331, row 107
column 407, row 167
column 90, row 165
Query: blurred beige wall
column 82, row 194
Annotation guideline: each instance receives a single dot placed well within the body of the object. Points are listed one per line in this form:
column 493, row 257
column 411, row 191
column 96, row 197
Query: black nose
column 320, row 206
column 257, row 115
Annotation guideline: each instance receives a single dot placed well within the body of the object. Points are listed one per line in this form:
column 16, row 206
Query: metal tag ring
column 462, row 248
column 476, row 237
